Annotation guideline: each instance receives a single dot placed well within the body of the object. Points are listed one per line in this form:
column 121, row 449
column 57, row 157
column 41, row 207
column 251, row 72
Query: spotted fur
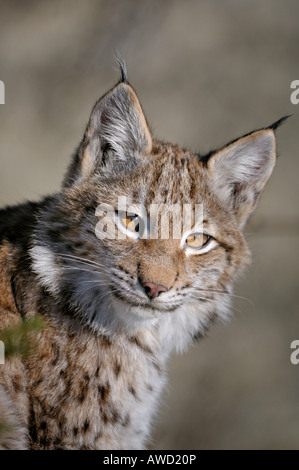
column 94, row 379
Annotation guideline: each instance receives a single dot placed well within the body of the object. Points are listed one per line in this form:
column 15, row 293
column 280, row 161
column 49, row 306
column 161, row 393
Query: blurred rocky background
column 206, row 72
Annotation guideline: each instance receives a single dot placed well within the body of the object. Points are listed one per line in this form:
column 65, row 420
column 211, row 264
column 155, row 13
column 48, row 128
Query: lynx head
column 127, row 280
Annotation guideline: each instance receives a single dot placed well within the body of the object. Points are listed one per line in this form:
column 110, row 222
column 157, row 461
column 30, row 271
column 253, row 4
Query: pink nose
column 153, row 290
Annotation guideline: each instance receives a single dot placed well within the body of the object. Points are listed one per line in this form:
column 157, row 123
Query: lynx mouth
column 150, row 305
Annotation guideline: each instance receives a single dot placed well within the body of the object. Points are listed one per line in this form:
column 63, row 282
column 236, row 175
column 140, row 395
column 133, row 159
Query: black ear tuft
column 123, row 69
column 241, row 169
column 278, row 123
column 117, row 134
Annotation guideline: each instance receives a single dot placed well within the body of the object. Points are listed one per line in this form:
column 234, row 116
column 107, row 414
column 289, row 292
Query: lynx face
column 128, row 282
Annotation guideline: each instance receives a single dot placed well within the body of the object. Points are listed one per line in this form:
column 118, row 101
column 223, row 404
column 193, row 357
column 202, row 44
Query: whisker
column 98, row 297
column 223, row 292
column 95, row 281
column 79, row 259
column 197, row 297
column 74, row 268
column 127, row 291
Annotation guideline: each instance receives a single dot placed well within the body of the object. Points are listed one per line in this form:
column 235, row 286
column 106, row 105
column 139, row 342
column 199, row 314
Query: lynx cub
column 115, row 307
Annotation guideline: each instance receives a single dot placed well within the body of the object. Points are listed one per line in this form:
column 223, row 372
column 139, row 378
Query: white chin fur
column 133, row 317
column 175, row 329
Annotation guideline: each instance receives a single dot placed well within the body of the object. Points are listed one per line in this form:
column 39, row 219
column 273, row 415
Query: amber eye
column 197, row 240
column 131, row 221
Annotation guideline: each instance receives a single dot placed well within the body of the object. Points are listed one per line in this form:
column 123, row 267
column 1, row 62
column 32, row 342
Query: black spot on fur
column 56, row 351
column 68, row 386
column 104, row 391
column 132, row 391
column 57, row 442
column 115, row 415
column 43, row 425
column 39, row 381
column 32, row 425
column 44, row 442
column 135, row 195
column 86, row 426
column 117, row 369
column 17, row 295
column 83, row 393
column 121, row 268
column 126, row 421
column 106, row 341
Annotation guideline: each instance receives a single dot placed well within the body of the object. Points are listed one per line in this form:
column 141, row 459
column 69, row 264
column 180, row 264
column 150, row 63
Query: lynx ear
column 241, row 169
column 117, row 132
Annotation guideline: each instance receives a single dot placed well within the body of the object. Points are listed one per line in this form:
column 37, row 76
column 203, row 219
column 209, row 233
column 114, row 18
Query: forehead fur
column 170, row 175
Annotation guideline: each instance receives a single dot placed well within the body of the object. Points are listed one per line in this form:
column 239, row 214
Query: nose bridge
column 159, row 267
